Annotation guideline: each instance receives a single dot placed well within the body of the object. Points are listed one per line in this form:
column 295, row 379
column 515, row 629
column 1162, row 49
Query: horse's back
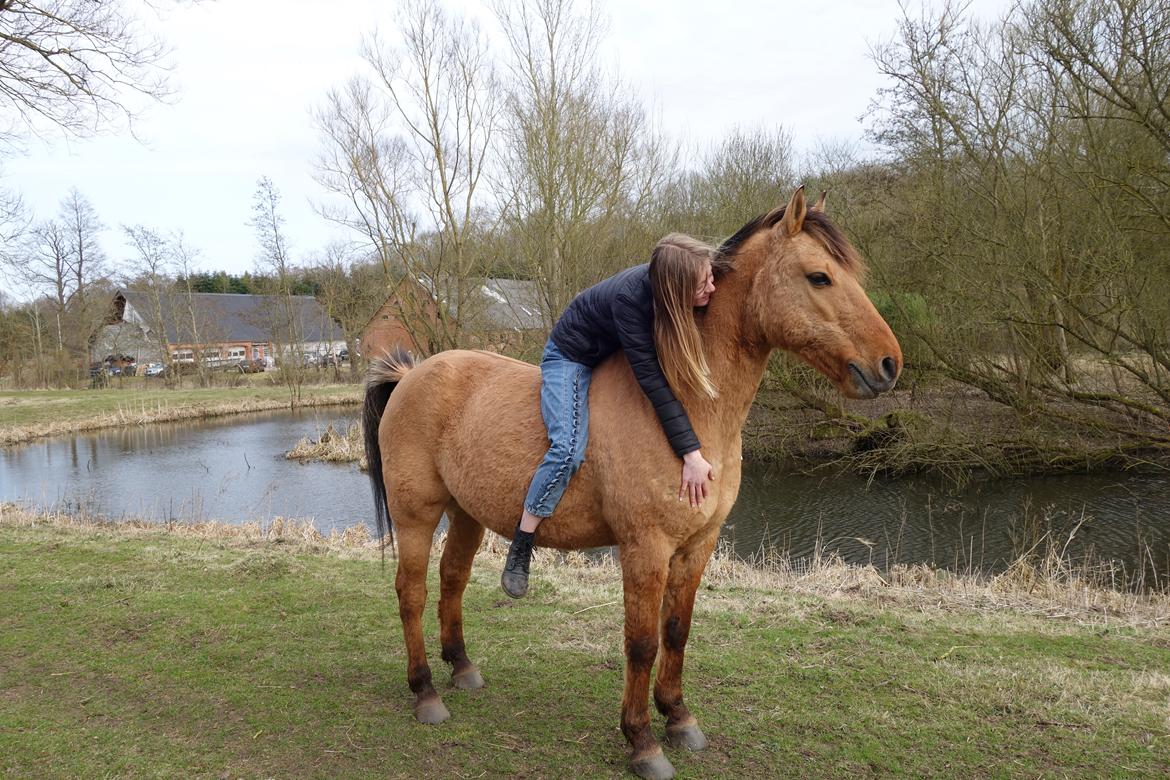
column 472, row 421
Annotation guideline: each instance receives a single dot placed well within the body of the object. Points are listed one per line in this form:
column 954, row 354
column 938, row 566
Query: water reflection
column 232, row 470
column 224, row 469
column 983, row 526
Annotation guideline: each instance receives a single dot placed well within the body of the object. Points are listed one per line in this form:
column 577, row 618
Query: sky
column 248, row 73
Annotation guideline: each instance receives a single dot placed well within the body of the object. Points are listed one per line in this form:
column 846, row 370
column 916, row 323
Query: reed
column 1043, row 580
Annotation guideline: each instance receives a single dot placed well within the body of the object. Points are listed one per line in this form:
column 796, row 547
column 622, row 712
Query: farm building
column 501, row 313
column 216, row 327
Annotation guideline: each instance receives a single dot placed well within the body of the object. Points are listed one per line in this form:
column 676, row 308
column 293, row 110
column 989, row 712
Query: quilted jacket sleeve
column 635, row 329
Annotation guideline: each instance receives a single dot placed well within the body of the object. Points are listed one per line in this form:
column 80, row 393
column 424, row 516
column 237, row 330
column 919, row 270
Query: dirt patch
column 943, row 427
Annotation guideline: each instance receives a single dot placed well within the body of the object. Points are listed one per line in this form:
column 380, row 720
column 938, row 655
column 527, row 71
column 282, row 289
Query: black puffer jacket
column 618, row 313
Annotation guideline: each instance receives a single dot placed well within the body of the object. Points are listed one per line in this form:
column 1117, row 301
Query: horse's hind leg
column 463, row 538
column 678, row 603
column 416, row 529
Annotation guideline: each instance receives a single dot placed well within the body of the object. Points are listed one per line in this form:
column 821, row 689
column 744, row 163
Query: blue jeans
column 564, row 404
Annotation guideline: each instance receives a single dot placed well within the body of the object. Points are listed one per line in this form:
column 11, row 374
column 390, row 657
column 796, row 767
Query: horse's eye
column 819, row 280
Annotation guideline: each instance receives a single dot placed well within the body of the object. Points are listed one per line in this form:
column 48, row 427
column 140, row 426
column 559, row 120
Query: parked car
column 154, row 369
column 256, row 366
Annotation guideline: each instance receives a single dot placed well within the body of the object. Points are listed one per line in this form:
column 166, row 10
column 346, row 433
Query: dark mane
column 816, row 224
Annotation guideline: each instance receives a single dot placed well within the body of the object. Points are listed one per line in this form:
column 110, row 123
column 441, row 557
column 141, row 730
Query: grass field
column 31, row 414
column 143, row 653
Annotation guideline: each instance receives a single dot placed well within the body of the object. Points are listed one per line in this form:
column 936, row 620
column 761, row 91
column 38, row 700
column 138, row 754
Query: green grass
column 148, row 654
column 28, row 414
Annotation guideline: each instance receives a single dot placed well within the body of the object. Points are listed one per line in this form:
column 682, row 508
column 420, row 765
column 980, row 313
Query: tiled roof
column 512, row 303
column 231, row 317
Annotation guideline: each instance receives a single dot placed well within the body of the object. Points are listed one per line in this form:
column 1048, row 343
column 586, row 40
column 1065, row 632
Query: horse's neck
column 736, row 354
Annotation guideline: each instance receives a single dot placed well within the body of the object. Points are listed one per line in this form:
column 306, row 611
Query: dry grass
column 157, row 411
column 280, row 530
column 333, row 447
column 1046, row 586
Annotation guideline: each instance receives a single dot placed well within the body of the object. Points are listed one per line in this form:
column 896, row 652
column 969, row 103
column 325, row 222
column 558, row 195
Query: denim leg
column 564, row 404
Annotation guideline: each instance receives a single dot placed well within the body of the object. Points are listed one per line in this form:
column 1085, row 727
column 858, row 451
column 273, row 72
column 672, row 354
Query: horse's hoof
column 431, row 711
column 689, row 736
column 468, row 680
column 653, row 767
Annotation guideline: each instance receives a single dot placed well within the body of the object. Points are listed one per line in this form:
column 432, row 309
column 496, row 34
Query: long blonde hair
column 678, row 265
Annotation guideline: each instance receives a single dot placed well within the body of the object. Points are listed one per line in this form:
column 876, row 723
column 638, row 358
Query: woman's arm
column 635, row 331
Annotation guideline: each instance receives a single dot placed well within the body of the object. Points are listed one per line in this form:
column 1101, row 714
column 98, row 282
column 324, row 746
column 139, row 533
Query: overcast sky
column 249, row 72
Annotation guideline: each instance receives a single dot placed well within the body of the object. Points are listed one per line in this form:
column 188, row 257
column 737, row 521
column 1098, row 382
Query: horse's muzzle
column 870, row 384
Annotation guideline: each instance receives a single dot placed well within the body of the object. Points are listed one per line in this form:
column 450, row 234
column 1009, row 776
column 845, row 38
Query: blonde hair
column 678, row 265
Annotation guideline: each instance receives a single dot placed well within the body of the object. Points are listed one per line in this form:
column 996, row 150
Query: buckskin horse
column 461, row 433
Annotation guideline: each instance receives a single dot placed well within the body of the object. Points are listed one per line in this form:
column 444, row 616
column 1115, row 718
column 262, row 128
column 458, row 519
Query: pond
column 233, row 470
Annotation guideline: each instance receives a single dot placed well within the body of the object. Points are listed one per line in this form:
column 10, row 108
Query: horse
column 461, row 433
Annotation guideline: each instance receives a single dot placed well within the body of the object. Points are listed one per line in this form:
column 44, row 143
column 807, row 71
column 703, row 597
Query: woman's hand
column 696, row 472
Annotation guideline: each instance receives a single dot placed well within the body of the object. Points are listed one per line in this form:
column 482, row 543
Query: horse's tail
column 384, row 374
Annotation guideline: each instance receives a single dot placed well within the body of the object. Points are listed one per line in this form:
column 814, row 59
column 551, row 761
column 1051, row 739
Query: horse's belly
column 487, row 459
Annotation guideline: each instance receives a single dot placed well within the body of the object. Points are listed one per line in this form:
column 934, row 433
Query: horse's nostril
column 889, row 369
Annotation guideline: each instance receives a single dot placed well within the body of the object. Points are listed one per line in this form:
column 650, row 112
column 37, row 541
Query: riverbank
column 271, row 651
column 26, row 415
column 942, row 429
column 945, row 430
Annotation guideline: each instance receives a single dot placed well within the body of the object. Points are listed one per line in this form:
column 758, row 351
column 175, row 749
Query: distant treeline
column 245, row 284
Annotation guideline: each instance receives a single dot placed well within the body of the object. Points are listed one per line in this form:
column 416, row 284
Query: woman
column 648, row 312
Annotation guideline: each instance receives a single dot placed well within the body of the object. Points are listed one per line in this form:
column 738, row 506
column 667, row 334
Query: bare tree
column 43, row 267
column 742, row 176
column 81, row 227
column 349, row 293
column 579, row 157
column 370, row 169
column 14, row 221
column 283, row 315
column 61, row 260
column 152, row 274
column 72, row 64
column 1031, row 205
column 17, row 339
column 1110, row 60
column 193, row 324
column 408, row 151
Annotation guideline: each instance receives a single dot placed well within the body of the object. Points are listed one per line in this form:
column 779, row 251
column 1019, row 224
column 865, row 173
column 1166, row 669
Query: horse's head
column 806, row 297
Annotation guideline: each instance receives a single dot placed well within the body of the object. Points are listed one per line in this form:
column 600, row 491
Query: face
column 818, row 310
column 706, row 287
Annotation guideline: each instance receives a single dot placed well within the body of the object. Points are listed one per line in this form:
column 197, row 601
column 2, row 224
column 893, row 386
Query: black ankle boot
column 514, row 580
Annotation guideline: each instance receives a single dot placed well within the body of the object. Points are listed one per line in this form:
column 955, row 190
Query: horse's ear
column 820, row 204
column 795, row 212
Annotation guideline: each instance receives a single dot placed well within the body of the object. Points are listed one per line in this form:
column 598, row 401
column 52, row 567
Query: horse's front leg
column 678, row 603
column 644, row 572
